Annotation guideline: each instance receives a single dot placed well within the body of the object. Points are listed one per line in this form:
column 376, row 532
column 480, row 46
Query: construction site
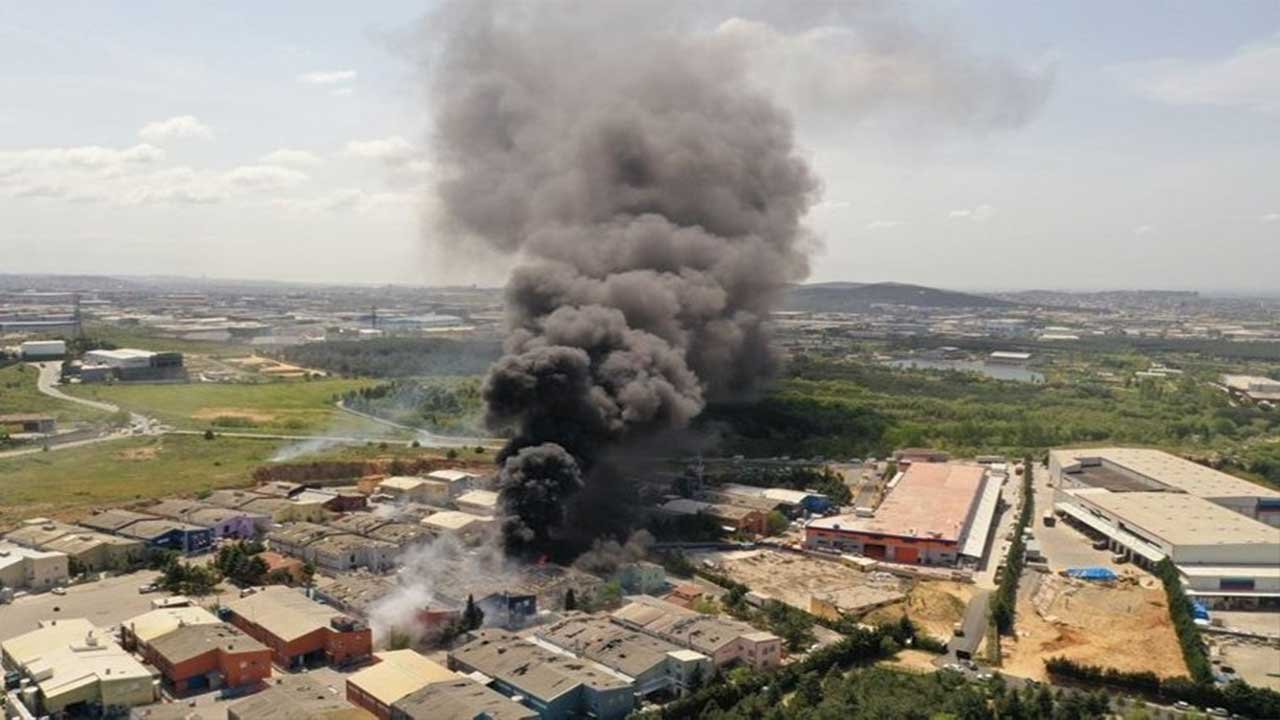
column 831, row 588
column 1122, row 624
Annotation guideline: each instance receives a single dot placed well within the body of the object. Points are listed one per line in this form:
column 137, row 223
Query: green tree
column 472, row 615
column 777, row 523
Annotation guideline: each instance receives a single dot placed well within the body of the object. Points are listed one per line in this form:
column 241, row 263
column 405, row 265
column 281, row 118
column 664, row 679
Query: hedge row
column 1006, row 595
column 1237, row 696
column 1193, row 649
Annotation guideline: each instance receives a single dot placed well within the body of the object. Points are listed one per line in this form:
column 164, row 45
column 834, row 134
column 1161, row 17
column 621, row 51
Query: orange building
column 300, row 631
column 200, row 657
column 924, row 520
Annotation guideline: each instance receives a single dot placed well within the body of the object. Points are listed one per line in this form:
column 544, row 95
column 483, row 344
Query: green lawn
column 18, row 394
column 141, row 339
column 288, row 407
column 67, row 482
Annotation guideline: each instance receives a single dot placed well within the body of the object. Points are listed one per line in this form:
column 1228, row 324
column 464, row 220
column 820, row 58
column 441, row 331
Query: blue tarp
column 1198, row 611
column 1092, row 573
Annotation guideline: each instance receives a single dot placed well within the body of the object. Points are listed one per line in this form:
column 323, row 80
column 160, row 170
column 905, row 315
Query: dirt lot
column 1256, row 661
column 934, row 605
column 795, row 579
column 1124, row 625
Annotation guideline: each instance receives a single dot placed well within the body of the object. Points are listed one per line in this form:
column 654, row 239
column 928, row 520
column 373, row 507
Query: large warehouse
column 1219, row 530
column 934, row 514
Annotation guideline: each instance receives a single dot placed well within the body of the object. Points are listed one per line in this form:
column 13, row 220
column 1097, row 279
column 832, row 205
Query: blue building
column 161, row 534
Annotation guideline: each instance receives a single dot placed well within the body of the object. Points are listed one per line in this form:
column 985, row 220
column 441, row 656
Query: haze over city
column 1030, row 145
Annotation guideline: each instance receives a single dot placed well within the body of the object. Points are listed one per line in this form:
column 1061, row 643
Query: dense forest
column 440, row 405
column 397, row 357
column 839, row 408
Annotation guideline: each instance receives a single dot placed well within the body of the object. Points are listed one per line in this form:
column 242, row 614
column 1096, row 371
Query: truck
column 1049, row 519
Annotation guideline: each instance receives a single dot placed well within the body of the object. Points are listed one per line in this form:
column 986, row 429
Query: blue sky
column 145, row 137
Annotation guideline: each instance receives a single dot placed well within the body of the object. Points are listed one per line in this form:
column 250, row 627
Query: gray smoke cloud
column 653, row 194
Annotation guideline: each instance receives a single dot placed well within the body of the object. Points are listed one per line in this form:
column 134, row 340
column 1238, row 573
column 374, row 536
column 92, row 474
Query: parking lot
column 1063, row 546
column 104, row 603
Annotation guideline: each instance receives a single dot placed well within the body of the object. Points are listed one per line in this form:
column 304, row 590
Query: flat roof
column 297, row 697
column 73, row 653
column 156, row 527
column 975, row 541
column 1171, row 470
column 190, row 641
column 533, row 669
column 453, row 519
column 1181, row 519
column 931, row 501
column 358, row 591
column 451, row 476
column 487, row 498
column 601, row 640
column 151, row 625
column 114, row 520
column 398, row 673
column 705, row 633
column 284, row 612
column 1253, row 571
column 461, row 698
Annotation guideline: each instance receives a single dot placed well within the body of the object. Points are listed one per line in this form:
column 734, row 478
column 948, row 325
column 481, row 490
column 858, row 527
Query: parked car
column 148, row 588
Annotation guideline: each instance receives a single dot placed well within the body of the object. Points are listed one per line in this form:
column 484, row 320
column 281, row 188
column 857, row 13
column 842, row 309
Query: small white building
column 24, row 568
column 42, row 349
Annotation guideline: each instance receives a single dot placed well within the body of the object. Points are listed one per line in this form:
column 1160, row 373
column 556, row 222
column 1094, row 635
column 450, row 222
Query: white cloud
column 85, row 157
column 341, row 92
column 289, row 156
column 181, row 127
column 351, row 200
column 1143, row 230
column 1245, row 79
column 327, row 77
column 1270, row 217
column 981, row 213
column 833, row 205
column 391, row 150
column 265, row 177
column 882, row 224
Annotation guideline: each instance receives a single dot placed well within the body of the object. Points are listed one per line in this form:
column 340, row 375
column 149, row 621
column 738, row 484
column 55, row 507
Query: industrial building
column 18, row 424
column 1220, row 531
column 1253, row 387
column 23, row 568
column 298, row 630
column 296, row 697
column 194, row 658
column 731, row 517
column 415, row 489
column 224, row 522
column 42, row 349
column 723, row 640
column 934, row 514
column 462, row 698
column 478, row 502
column 558, row 686
column 653, row 664
column 1145, row 470
column 156, row 533
column 791, row 502
column 75, row 669
column 136, row 633
column 459, row 481
column 131, row 365
column 459, row 524
column 86, row 550
column 395, row 674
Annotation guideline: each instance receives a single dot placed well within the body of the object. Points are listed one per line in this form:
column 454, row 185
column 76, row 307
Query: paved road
column 975, row 627
column 51, row 373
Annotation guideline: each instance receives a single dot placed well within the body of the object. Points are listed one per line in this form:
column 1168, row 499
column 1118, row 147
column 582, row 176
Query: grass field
column 274, row 407
column 67, row 483
column 142, row 340
column 18, row 394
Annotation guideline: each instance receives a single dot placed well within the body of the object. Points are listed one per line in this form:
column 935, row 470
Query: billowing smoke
column 653, row 197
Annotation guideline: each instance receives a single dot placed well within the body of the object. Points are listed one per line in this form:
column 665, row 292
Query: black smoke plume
column 652, row 196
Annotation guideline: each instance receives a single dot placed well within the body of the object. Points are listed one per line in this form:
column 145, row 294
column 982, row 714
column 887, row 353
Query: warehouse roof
column 283, row 612
column 360, row 523
column 151, row 625
column 174, row 508
column 1178, row 473
column 398, row 673
column 451, row 476
column 114, row 520
column 462, row 698
column 704, row 633
column 71, row 654
column 597, row 638
column 297, row 697
column 931, row 501
column 38, row 532
column 158, row 527
column 402, row 482
column 358, row 591
column 453, row 520
column 483, row 498
column 190, row 641
column 301, row 534
column 85, row 540
column 232, row 498
column 534, row 670
column 1184, row 519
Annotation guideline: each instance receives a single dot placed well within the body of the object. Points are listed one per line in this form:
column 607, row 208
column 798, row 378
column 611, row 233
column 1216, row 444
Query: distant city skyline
column 1038, row 146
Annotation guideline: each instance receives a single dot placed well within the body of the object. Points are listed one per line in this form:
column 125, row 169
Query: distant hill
column 854, row 297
